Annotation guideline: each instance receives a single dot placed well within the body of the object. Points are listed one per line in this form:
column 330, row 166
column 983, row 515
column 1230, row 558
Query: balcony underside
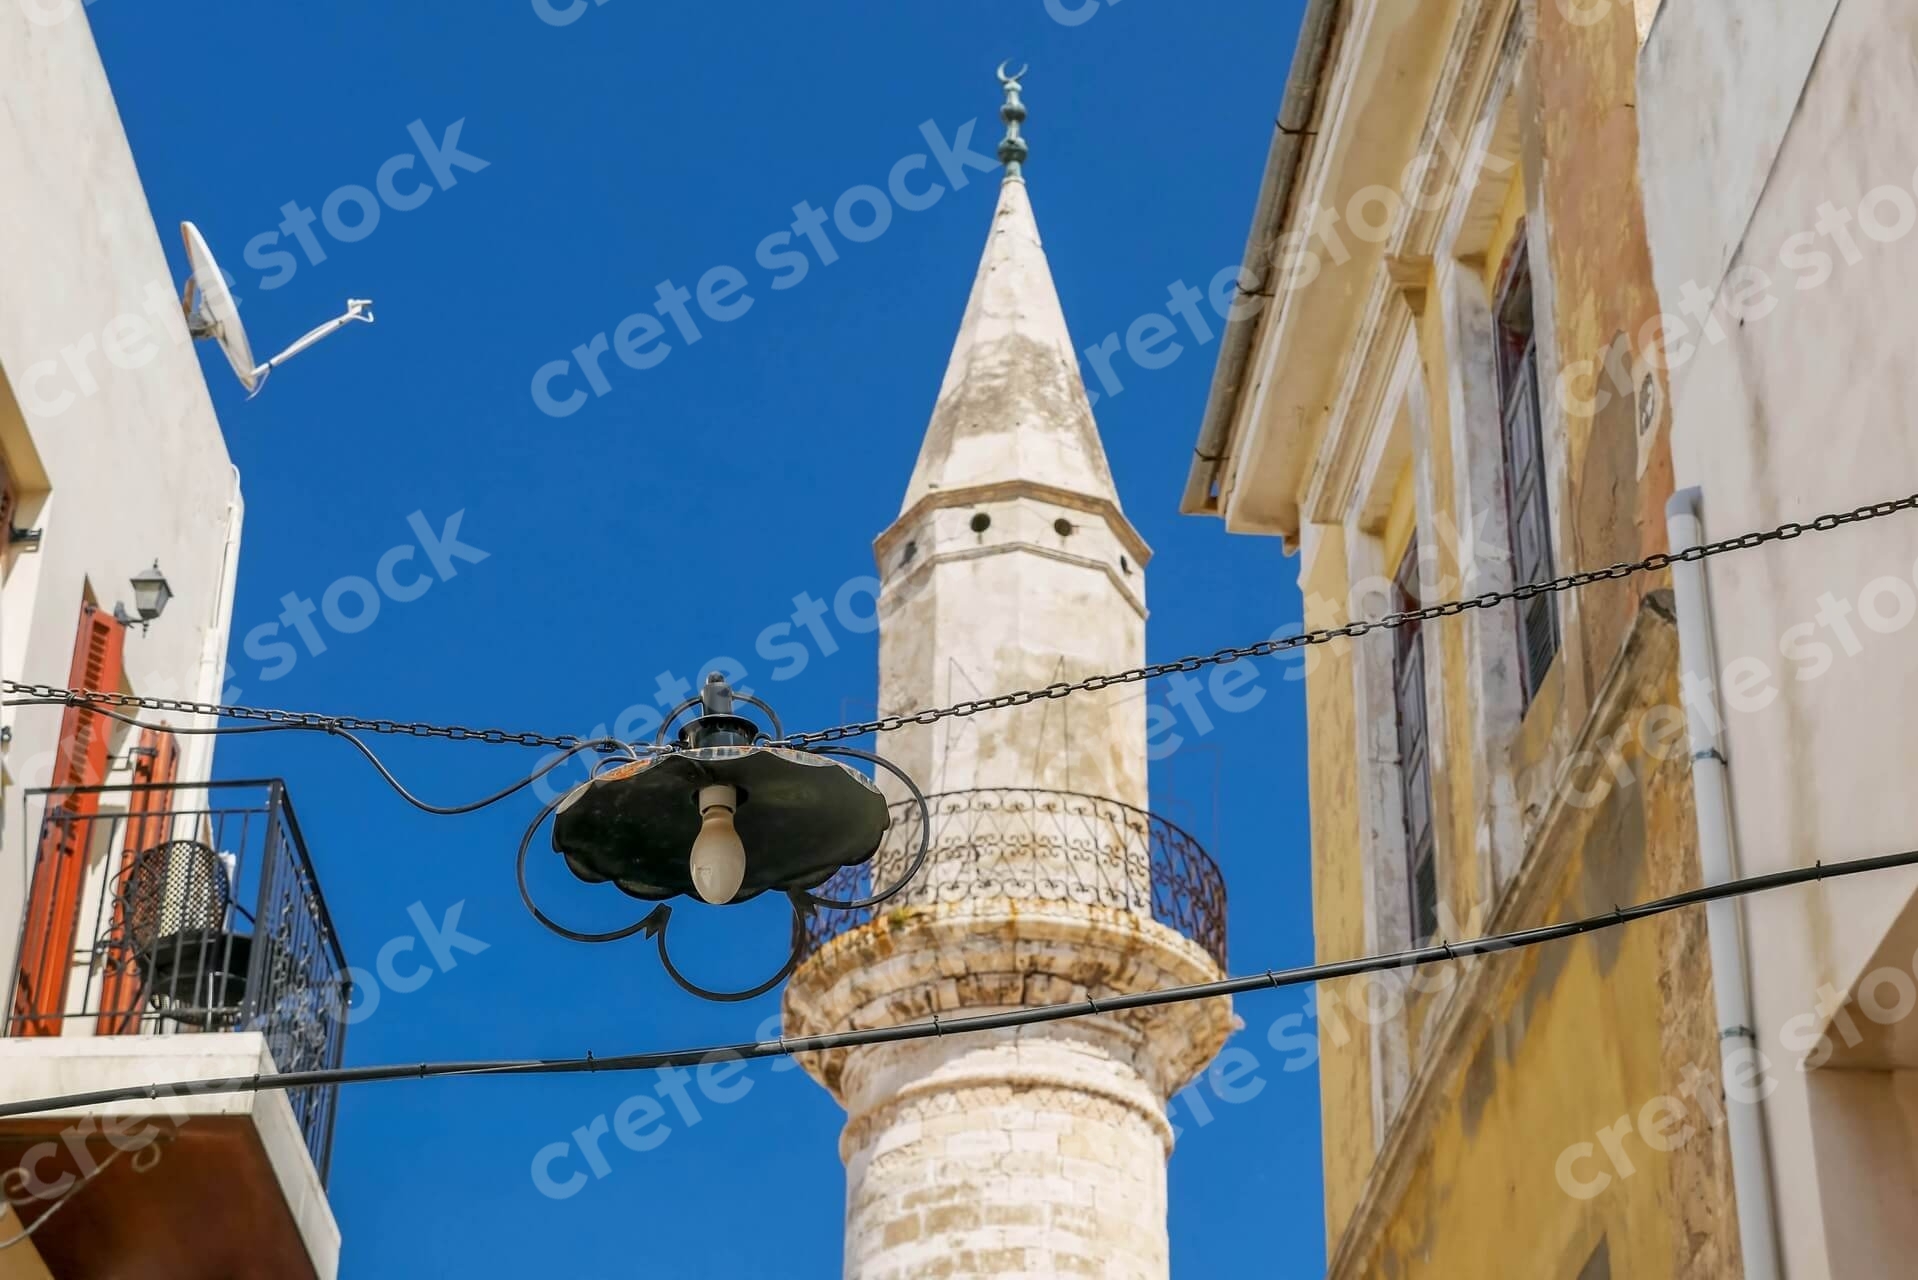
column 211, row 1186
column 214, row 1211
column 915, row 963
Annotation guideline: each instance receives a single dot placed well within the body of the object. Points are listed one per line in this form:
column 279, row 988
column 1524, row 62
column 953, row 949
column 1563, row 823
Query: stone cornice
column 1469, row 73
column 1348, row 430
column 1411, row 275
column 1487, row 35
column 1649, row 654
column 976, row 956
column 884, row 545
column 925, row 564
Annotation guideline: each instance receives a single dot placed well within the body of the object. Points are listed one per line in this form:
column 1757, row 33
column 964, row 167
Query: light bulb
column 719, row 859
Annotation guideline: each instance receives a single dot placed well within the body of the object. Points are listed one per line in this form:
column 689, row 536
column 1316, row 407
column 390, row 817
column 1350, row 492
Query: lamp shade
column 801, row 817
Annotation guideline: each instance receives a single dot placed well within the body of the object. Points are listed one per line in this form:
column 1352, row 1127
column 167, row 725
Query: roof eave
column 1225, row 401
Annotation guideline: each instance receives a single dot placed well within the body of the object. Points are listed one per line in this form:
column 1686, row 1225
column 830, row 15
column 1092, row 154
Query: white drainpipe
column 197, row 762
column 1718, row 860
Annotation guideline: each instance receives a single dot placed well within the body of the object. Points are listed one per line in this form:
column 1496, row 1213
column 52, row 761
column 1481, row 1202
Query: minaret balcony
column 1028, row 897
column 1023, row 844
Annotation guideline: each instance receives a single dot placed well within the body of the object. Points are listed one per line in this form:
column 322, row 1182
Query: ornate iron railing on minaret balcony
column 1021, row 843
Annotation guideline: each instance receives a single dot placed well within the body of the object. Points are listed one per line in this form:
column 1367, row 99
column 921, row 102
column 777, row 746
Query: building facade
column 132, row 892
column 1779, row 193
column 1041, row 1150
column 1445, row 377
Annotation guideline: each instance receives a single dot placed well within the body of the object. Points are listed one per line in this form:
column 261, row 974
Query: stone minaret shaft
column 1039, row 1152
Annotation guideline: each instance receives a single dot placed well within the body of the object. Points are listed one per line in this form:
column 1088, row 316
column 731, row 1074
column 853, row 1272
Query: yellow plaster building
column 1433, row 388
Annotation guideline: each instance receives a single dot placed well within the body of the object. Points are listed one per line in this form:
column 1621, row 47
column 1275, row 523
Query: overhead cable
column 1272, row 979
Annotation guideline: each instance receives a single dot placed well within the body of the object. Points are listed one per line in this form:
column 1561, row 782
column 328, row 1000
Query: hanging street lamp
column 722, row 814
column 720, row 817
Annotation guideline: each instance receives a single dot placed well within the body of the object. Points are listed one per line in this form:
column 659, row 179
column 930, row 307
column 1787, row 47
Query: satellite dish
column 212, row 313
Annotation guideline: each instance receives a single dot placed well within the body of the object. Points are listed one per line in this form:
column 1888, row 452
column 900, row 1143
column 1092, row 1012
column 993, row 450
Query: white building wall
column 1016, row 606
column 1765, row 126
column 120, row 456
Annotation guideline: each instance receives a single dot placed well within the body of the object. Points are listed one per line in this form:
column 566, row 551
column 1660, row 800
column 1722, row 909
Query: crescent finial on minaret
column 1012, row 148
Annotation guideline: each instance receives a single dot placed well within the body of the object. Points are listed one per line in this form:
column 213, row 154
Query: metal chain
column 888, row 724
column 1266, row 648
column 298, row 719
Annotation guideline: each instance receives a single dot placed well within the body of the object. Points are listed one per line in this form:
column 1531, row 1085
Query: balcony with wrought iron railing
column 1027, row 844
column 175, row 931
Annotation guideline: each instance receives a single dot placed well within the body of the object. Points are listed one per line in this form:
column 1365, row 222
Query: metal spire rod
column 1012, row 148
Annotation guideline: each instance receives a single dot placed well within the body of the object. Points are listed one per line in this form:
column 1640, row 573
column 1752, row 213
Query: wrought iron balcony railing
column 185, row 909
column 1055, row 846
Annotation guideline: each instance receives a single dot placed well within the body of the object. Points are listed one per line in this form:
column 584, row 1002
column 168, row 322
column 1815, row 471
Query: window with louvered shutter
column 1415, row 770
column 156, row 764
column 7, row 503
column 1526, row 502
column 59, row 872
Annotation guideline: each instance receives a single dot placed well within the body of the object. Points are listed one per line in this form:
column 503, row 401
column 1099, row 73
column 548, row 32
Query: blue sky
column 672, row 519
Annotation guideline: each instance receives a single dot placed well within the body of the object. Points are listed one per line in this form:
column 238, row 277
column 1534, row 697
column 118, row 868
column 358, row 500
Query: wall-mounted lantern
column 151, row 591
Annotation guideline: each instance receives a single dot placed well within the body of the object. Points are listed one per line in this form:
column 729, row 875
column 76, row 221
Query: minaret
column 1042, row 1151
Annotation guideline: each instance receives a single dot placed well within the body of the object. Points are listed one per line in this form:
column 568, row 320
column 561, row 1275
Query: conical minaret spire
column 1011, row 566
column 1012, row 480
column 1012, row 406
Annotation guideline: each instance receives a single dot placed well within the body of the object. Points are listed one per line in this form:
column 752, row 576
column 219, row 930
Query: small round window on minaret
column 981, row 522
column 1062, row 527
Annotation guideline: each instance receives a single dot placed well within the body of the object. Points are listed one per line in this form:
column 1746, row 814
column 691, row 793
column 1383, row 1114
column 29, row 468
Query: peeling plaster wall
column 1550, row 1047
column 1572, row 1038
column 1527, row 1055
column 1583, row 143
column 1338, row 898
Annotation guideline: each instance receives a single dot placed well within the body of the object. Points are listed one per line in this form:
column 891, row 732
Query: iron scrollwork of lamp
column 722, row 814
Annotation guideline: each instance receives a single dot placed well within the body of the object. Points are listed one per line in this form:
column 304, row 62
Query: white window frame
column 1399, row 437
column 1495, row 698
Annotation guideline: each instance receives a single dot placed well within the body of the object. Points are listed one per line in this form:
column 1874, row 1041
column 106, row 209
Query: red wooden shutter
column 7, row 501
column 149, row 823
column 59, row 874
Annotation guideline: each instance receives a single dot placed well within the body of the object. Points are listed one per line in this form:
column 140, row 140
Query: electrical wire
column 40, row 694
column 605, row 745
column 1272, row 979
column 26, row 1232
column 79, row 699
column 447, row 811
